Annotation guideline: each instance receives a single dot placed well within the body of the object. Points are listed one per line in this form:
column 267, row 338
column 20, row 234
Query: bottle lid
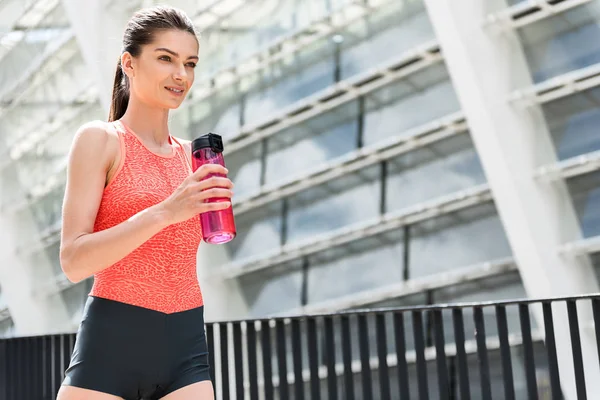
column 211, row 140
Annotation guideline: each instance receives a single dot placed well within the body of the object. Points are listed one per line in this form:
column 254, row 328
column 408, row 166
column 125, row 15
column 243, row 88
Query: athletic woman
column 131, row 220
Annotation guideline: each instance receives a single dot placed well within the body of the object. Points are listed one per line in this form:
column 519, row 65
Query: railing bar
column 576, row 347
column 507, row 372
column 596, row 311
column 252, row 360
column 224, row 344
column 384, row 375
column 482, row 355
column 265, row 331
column 418, row 332
column 461, row 354
column 400, row 338
column 282, row 360
column 297, row 359
column 238, row 361
column 313, row 359
column 440, row 355
column 550, row 340
column 363, row 341
column 329, row 352
column 529, row 359
column 347, row 358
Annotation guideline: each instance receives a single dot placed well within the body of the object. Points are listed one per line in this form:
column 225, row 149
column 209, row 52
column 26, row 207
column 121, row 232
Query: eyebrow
column 173, row 53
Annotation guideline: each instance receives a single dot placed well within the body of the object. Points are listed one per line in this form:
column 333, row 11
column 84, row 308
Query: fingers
column 214, row 182
column 216, row 206
column 208, row 169
column 215, row 193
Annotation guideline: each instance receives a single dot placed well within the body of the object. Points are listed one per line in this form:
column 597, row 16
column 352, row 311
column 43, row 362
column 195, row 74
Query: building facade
column 384, row 152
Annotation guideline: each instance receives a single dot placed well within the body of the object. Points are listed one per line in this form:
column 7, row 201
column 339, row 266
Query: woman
column 130, row 219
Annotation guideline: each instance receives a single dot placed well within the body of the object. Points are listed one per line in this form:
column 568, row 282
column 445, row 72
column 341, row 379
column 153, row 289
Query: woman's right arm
column 84, row 252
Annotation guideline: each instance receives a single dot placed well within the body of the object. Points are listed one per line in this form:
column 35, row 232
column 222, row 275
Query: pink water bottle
column 217, row 226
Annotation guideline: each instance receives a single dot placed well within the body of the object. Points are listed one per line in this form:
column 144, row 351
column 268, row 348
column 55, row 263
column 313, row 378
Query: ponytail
column 120, row 95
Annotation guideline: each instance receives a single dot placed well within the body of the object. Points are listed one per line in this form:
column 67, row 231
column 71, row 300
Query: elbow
column 67, row 265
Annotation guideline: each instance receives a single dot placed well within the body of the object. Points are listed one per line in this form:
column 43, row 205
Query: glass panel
column 273, row 290
column 400, row 26
column 562, row 43
column 585, row 192
column 305, row 146
column 282, row 84
column 456, row 240
column 439, row 169
column 573, row 122
column 244, row 170
column 258, row 232
column 349, row 199
column 7, row 328
column 365, row 264
column 411, row 102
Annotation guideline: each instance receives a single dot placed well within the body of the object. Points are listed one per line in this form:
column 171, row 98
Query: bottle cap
column 211, row 140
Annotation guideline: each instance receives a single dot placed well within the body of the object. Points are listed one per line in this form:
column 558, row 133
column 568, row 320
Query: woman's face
column 163, row 73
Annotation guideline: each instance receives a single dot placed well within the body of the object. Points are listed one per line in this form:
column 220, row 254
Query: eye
column 191, row 65
column 164, row 58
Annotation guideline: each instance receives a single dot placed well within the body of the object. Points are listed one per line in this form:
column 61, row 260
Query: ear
column 127, row 64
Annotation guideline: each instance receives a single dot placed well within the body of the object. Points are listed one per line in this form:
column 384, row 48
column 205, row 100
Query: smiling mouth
column 179, row 91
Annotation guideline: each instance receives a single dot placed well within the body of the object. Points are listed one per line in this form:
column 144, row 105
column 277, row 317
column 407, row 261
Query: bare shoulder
column 98, row 142
column 96, row 133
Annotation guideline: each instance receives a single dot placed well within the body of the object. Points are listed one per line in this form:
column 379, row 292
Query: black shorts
column 137, row 353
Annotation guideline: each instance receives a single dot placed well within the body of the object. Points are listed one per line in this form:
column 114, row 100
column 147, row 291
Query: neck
column 149, row 123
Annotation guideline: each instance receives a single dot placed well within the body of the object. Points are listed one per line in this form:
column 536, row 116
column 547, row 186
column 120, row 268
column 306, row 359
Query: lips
column 175, row 89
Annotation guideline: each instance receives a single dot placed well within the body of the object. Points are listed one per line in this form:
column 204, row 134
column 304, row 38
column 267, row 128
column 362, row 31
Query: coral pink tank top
column 161, row 273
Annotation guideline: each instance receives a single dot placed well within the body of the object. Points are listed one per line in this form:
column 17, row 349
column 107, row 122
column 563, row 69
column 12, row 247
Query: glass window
column 307, row 145
column 273, row 290
column 350, row 199
column 467, row 237
column 585, row 192
column 245, row 170
column 439, row 169
column 573, row 122
column 408, row 103
column 400, row 26
column 562, row 43
column 258, row 232
column 365, row 264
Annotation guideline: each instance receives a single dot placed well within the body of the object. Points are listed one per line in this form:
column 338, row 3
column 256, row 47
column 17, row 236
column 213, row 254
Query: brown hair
column 140, row 31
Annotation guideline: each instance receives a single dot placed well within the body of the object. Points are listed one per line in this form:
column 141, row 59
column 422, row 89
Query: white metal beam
column 529, row 11
column 538, row 218
column 571, row 167
column 558, row 87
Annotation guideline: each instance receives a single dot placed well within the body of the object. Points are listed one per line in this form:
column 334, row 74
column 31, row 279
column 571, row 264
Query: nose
column 180, row 74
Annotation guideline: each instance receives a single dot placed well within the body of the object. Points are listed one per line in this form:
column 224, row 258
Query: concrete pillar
column 486, row 65
column 31, row 314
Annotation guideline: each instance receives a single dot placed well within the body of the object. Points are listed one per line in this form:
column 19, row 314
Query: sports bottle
column 217, row 226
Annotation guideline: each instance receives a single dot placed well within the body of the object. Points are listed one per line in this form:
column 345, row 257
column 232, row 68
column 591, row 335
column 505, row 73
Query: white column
column 486, row 65
column 99, row 27
column 31, row 314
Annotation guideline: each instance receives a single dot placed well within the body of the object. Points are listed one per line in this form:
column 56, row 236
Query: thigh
column 75, row 393
column 196, row 391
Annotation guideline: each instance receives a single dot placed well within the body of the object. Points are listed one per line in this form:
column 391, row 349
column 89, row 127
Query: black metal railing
column 463, row 351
